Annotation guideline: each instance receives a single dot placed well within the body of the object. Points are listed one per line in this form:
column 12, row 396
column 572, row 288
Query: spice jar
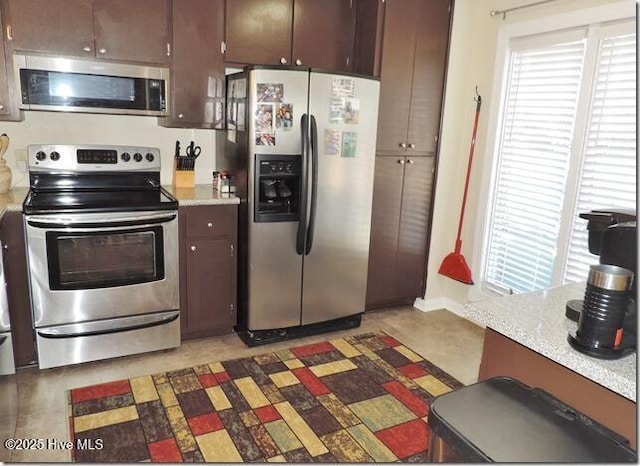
column 216, row 180
column 224, row 182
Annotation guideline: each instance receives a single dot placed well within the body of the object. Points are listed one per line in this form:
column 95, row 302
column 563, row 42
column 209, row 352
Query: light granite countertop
column 201, row 194
column 537, row 320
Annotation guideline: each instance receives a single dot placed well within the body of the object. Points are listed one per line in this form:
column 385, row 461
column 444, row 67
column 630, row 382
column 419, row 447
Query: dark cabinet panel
column 258, row 31
column 414, row 50
column 428, row 75
column 323, row 34
column 132, row 31
column 385, row 218
column 396, row 74
column 5, row 105
column 197, row 68
column 17, row 278
column 367, row 47
column 210, row 285
column 415, row 221
column 400, row 227
column 52, row 26
column 309, row 33
column 208, row 270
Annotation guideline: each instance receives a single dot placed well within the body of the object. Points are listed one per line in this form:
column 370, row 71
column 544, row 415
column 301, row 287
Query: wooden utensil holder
column 183, row 178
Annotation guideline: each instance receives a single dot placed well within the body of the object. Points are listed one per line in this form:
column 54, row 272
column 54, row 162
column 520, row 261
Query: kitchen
column 471, row 25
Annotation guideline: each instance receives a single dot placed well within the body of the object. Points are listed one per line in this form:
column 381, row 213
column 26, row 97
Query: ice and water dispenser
column 277, row 188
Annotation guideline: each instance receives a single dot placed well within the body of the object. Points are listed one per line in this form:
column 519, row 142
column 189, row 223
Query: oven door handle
column 105, row 327
column 80, row 221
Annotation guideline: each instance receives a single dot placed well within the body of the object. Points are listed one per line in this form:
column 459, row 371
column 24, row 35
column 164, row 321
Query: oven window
column 104, row 259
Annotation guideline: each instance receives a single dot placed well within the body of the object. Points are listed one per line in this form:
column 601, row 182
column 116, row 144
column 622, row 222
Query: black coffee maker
column 613, row 237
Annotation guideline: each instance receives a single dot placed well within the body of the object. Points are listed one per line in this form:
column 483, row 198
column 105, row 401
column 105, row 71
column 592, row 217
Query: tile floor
column 451, row 342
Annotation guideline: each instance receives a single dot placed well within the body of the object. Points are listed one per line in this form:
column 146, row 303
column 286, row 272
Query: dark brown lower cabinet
column 17, row 279
column 400, row 224
column 208, row 267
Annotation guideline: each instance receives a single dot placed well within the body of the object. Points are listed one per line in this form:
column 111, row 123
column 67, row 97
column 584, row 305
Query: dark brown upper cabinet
column 323, row 34
column 132, row 31
column 111, row 29
column 307, row 33
column 197, row 67
column 414, row 51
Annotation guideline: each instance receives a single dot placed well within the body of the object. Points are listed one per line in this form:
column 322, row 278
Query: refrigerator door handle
column 304, row 185
column 314, row 184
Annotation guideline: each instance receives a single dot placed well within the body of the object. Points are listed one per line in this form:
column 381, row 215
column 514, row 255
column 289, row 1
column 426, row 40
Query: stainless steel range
column 102, row 245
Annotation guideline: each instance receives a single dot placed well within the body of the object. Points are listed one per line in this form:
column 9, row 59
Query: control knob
column 149, row 157
column 54, row 156
column 125, row 156
column 40, row 155
column 137, row 157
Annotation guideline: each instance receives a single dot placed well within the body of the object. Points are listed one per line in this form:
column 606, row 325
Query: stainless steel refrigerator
column 300, row 146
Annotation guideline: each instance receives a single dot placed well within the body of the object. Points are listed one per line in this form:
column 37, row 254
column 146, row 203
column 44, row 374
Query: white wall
column 78, row 128
column 471, row 62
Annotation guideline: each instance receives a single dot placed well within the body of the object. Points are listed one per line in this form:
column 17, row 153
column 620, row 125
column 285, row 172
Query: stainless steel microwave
column 90, row 86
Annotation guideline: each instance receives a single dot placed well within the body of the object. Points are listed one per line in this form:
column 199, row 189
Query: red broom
column 454, row 265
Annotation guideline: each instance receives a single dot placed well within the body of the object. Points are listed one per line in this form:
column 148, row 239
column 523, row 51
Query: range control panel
column 88, row 158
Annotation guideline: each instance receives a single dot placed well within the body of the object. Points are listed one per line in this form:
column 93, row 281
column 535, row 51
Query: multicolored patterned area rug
column 356, row 399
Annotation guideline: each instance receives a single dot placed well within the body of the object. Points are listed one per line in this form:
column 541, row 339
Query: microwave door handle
column 314, row 185
column 304, row 186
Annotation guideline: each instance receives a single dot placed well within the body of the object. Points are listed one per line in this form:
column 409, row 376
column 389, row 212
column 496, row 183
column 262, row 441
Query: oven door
column 92, row 266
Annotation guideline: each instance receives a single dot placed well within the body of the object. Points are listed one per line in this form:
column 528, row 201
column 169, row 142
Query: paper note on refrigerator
column 349, row 144
column 332, row 142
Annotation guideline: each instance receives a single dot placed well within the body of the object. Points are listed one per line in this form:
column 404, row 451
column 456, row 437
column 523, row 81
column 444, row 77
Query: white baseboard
column 439, row 303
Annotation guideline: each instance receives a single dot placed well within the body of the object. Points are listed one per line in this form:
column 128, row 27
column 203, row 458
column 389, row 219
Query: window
column 566, row 145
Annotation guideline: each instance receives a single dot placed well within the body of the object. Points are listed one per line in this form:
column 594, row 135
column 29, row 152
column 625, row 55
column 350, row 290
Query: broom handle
column 466, row 183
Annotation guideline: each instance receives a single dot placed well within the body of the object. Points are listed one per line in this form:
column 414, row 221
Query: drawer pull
column 193, row 248
column 209, row 225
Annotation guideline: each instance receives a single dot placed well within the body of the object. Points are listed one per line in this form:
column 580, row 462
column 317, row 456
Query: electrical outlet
column 21, row 155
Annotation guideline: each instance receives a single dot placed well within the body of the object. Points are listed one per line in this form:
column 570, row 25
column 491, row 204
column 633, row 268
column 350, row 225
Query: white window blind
column 608, row 173
column 534, row 151
column 566, row 145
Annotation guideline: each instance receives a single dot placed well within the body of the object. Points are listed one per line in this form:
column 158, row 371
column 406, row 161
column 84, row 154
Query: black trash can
column 503, row 420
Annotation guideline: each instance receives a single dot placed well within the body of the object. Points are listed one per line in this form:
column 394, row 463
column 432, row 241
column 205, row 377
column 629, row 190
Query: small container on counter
column 215, row 181
column 224, row 185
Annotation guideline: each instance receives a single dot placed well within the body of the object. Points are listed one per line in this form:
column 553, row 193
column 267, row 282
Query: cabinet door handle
column 283, row 61
column 233, row 250
column 401, row 161
column 87, row 48
column 180, row 115
column 209, row 225
column 298, row 62
column 102, row 51
column 9, row 33
column 412, row 146
column 409, row 161
column 168, row 49
column 403, row 145
column 1, row 107
column 193, row 248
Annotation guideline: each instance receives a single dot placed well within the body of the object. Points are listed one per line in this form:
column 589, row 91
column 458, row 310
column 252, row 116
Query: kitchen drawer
column 208, row 221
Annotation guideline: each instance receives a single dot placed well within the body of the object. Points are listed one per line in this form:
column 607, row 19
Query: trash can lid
column 503, row 420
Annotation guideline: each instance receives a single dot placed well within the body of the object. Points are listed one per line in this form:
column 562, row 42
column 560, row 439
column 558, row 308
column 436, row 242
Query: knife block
column 183, row 178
